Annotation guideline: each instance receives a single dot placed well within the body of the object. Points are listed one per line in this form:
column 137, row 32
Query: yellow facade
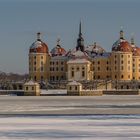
column 84, row 63
column 121, row 65
column 101, row 68
column 136, row 68
column 79, row 70
column 39, row 66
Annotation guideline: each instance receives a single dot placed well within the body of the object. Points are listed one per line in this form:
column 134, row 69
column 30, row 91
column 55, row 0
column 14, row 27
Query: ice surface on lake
column 90, row 127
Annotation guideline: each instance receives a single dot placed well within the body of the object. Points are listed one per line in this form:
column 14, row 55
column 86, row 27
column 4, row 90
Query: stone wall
column 121, row 92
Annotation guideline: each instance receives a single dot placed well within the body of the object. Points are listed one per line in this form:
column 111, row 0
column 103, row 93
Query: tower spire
column 80, row 40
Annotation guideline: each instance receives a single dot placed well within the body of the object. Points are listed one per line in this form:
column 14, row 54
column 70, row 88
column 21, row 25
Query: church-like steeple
column 80, row 40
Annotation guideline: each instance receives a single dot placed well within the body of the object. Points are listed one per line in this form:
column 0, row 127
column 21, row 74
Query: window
column 34, row 68
column 98, row 62
column 83, row 68
column 62, row 77
column 98, row 68
column 115, row 62
column 77, row 69
column 70, row 88
column 26, row 88
column 122, row 62
column 75, row 87
column 122, row 56
column 41, row 57
column 121, row 87
column 72, row 74
column 128, row 56
column 107, row 76
column 41, row 62
column 83, row 73
column 50, row 63
column 34, row 62
column 34, row 57
column 57, row 78
column 128, row 76
column 128, row 67
column 98, row 76
column 128, row 62
column 42, row 78
column 57, row 63
column 121, row 67
column 115, row 76
column 56, row 68
column 42, row 69
column 133, row 65
column 35, row 78
column 107, row 62
column 32, row 88
column 122, row 76
column 115, row 68
column 62, row 69
column 62, row 63
column 115, row 56
column 72, row 68
column 93, row 62
column 107, row 68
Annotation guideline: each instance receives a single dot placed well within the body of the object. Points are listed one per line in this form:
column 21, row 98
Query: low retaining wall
column 91, row 93
column 121, row 92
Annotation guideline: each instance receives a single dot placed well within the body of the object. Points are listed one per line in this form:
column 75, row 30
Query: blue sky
column 101, row 22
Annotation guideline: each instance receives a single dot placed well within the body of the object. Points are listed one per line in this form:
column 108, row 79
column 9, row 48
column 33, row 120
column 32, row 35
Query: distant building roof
column 31, row 82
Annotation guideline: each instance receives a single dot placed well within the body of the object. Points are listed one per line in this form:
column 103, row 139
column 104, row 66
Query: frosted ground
column 91, row 127
column 70, row 104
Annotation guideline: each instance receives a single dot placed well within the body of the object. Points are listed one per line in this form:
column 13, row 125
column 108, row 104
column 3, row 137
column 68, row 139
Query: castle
column 82, row 63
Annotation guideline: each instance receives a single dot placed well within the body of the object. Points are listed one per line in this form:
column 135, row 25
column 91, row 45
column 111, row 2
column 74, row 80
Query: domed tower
column 121, row 59
column 80, row 41
column 39, row 60
column 58, row 50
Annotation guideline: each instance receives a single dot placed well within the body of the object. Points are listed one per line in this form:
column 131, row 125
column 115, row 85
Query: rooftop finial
column 121, row 33
column 58, row 41
column 38, row 36
column 80, row 33
column 132, row 39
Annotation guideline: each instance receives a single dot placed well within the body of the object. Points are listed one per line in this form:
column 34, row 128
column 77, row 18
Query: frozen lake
column 75, row 127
